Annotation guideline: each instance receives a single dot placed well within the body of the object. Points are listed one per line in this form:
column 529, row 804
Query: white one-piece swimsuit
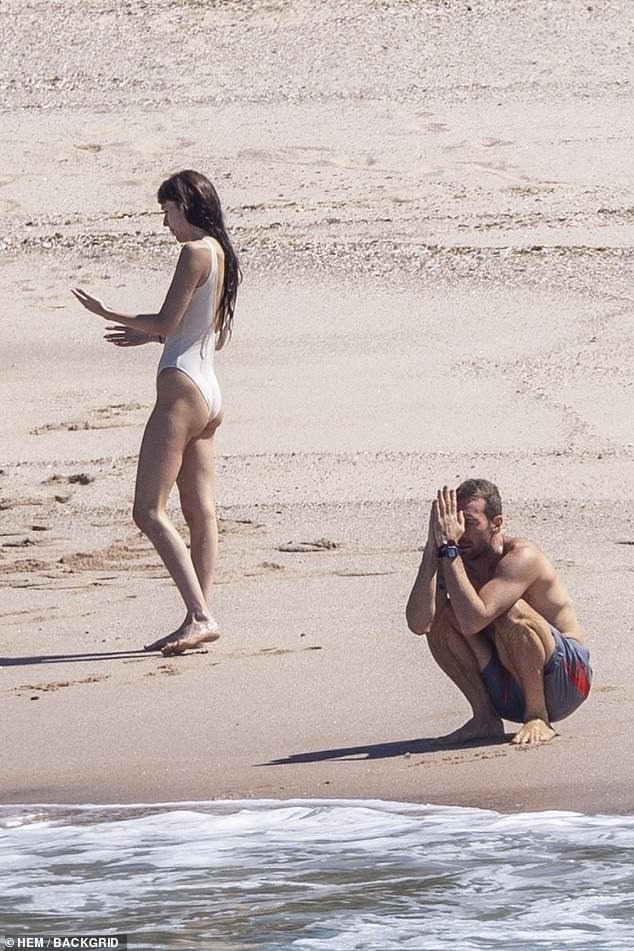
column 191, row 346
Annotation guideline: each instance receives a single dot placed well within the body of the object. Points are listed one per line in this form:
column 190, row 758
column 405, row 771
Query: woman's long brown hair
column 201, row 206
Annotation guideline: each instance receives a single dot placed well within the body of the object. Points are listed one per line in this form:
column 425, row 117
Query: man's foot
column 187, row 637
column 477, row 728
column 534, row 732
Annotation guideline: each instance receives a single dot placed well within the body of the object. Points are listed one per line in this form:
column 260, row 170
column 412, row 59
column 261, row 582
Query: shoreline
column 174, row 805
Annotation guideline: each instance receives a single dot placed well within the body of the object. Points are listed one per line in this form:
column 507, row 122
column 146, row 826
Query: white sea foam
column 331, row 875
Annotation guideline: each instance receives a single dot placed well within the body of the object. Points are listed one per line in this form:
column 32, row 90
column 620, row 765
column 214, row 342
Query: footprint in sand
column 320, row 544
column 107, row 418
column 57, row 685
column 459, row 759
column 168, row 670
column 434, row 127
column 274, row 651
column 135, row 554
column 78, row 478
column 25, row 566
column 231, row 526
column 19, row 543
column 309, row 155
column 264, row 567
column 488, row 142
column 352, row 573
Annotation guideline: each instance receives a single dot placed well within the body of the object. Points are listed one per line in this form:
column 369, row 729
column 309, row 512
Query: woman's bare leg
column 196, row 488
column 179, row 416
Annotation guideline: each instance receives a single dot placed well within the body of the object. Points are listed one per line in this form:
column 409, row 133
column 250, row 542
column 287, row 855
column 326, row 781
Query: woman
column 195, row 319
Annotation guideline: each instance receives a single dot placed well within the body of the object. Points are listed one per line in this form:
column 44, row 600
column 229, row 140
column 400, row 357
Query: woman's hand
column 93, row 304
column 127, row 337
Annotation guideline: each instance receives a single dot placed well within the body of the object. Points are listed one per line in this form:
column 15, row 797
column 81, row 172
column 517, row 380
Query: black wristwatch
column 450, row 550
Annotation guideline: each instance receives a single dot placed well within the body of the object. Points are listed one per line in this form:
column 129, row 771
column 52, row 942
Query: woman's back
column 191, row 346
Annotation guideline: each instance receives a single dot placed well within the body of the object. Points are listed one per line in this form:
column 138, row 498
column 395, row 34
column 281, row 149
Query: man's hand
column 447, row 518
column 431, row 528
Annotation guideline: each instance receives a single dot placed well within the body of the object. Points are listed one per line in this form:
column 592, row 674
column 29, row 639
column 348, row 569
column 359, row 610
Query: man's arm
column 515, row 572
column 423, row 599
column 421, row 605
column 475, row 609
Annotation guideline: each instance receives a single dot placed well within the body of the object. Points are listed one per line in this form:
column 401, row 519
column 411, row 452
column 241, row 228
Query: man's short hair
column 481, row 489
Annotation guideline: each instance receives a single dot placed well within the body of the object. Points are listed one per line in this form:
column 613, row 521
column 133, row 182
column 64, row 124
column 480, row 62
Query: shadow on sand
column 74, row 658
column 427, row 744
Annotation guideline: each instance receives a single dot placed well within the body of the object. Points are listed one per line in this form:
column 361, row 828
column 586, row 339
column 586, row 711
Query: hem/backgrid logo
column 76, row 942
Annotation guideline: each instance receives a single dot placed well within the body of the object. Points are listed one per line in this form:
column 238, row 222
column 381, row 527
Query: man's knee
column 444, row 623
column 521, row 631
column 519, row 618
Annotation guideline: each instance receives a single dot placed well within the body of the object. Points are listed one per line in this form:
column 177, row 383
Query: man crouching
column 498, row 619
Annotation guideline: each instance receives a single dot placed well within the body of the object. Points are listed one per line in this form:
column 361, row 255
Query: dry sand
column 434, row 208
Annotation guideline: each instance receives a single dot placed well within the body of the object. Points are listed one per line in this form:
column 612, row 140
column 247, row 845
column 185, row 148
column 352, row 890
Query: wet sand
column 433, row 206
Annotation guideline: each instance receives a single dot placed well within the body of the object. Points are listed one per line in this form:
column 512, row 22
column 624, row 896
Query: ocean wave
column 319, row 874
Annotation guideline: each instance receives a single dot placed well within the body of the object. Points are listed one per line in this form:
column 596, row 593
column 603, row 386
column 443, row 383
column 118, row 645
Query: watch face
column 448, row 551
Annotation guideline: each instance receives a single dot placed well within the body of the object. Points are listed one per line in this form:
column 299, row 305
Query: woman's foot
column 191, row 634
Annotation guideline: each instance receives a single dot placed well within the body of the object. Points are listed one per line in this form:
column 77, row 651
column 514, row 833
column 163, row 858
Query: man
column 498, row 619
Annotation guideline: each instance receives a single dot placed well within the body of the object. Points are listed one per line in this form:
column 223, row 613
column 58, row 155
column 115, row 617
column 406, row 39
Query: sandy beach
column 433, row 205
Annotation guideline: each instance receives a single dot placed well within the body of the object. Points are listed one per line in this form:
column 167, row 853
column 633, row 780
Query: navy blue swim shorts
column 567, row 679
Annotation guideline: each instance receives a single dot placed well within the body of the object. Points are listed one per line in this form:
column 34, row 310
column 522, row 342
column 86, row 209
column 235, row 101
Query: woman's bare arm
column 191, row 269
